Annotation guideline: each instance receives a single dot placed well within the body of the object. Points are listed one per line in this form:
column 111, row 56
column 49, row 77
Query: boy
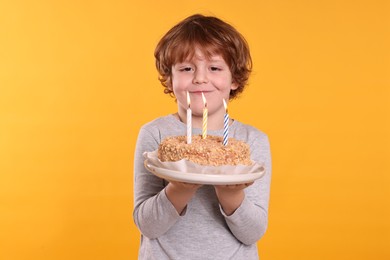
column 190, row 221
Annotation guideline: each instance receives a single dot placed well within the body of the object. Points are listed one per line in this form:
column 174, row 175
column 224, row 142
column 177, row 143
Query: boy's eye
column 186, row 69
column 214, row 69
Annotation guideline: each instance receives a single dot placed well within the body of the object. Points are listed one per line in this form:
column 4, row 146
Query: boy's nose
column 200, row 77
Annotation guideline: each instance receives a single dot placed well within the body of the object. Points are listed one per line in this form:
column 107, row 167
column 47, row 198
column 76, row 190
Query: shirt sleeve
column 153, row 213
column 249, row 222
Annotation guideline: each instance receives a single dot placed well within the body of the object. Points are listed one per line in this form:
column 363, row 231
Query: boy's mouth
column 199, row 92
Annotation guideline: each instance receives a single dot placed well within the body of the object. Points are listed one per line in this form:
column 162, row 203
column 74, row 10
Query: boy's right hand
column 180, row 193
column 185, row 185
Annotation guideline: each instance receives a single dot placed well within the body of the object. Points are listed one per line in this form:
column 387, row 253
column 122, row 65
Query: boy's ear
column 234, row 86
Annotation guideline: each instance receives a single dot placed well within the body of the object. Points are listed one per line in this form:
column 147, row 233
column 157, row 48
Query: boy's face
column 200, row 74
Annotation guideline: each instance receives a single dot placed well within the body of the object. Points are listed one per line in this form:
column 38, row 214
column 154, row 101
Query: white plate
column 198, row 178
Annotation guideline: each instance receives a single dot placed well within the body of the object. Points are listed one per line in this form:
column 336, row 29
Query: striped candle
column 225, row 125
column 189, row 119
column 205, row 112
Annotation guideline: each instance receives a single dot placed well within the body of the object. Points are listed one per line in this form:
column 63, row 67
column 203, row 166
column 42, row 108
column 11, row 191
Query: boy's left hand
column 231, row 196
column 233, row 187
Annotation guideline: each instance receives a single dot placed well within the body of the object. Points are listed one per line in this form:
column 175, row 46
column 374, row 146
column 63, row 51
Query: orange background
column 77, row 81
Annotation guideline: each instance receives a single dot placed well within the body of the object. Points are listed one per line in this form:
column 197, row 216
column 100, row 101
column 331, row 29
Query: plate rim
column 200, row 178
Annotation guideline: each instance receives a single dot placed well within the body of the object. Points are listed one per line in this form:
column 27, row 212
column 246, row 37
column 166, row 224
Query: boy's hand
column 231, row 196
column 179, row 193
column 233, row 187
column 184, row 186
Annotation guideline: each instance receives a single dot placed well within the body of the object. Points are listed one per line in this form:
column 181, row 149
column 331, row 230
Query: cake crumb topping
column 209, row 151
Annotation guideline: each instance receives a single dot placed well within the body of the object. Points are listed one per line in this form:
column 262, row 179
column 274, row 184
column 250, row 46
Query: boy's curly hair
column 213, row 37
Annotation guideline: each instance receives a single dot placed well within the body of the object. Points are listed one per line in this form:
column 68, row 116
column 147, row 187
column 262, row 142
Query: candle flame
column 204, row 100
column 188, row 99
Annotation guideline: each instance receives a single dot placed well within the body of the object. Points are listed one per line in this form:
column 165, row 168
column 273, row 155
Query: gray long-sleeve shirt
column 203, row 231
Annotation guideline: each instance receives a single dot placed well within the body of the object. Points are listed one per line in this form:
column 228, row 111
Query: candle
column 189, row 119
column 225, row 125
column 205, row 112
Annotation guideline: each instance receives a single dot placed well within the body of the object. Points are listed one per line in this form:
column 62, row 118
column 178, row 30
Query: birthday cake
column 208, row 151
